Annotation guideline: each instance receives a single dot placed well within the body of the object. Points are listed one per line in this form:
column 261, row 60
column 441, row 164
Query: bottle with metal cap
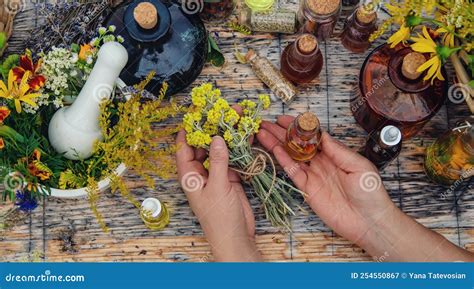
column 383, row 146
column 303, row 137
column 154, row 214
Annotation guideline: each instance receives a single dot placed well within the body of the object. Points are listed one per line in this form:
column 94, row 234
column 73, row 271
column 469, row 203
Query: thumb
column 218, row 160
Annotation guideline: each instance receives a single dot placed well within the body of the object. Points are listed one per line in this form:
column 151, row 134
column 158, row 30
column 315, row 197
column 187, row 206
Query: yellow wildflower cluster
column 212, row 115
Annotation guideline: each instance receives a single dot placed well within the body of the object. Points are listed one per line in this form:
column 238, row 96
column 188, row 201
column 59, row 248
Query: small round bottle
column 383, row 146
column 217, row 10
column 154, row 214
column 451, row 157
column 319, row 17
column 303, row 137
column 302, row 60
column 359, row 26
column 277, row 20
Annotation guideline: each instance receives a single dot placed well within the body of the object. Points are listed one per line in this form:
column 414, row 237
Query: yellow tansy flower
column 18, row 92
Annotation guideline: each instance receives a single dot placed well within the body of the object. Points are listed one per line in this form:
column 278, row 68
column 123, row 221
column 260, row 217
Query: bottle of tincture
column 319, row 17
column 276, row 20
column 154, row 214
column 302, row 60
column 303, row 137
column 392, row 91
column 382, row 146
column 272, row 77
column 450, row 158
column 358, row 28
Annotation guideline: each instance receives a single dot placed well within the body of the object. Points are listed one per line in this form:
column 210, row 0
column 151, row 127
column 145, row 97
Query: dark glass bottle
column 217, row 10
column 319, row 17
column 350, row 2
column 177, row 56
column 382, row 146
column 451, row 157
column 302, row 60
column 391, row 92
column 303, row 137
column 357, row 30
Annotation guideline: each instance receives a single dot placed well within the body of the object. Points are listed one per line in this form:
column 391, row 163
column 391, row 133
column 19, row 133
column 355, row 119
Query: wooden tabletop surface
column 66, row 230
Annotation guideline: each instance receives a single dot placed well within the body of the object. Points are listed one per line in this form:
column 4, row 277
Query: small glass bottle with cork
column 154, row 214
column 276, row 20
column 303, row 137
column 382, row 146
column 271, row 76
column 359, row 26
column 302, row 60
column 319, row 17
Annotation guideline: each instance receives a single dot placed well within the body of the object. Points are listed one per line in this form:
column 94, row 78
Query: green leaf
column 471, row 83
column 215, row 56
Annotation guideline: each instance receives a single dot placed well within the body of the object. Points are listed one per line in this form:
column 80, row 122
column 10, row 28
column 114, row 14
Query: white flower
column 89, row 60
column 74, row 58
column 112, row 28
column 58, row 102
column 94, row 42
column 73, row 73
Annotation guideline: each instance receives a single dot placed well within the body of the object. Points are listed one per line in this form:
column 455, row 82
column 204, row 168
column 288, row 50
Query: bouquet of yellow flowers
column 211, row 115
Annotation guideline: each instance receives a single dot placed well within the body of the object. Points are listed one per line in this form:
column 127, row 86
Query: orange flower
column 4, row 113
column 2, row 143
column 86, row 51
column 37, row 168
column 35, row 80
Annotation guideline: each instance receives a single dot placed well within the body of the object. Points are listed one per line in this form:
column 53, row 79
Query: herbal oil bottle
column 154, row 214
column 302, row 60
column 216, row 10
column 358, row 28
column 278, row 20
column 451, row 157
column 319, row 17
column 260, row 5
column 383, row 146
column 303, row 137
column 271, row 76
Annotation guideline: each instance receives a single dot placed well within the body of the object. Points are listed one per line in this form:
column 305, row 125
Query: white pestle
column 73, row 130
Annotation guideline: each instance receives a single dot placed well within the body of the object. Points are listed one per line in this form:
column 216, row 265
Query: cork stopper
column 324, row 7
column 410, row 64
column 308, row 121
column 146, row 15
column 307, row 43
column 365, row 16
column 251, row 54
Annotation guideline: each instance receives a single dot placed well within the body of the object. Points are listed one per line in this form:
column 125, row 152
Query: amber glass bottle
column 319, row 17
column 392, row 92
column 217, row 10
column 303, row 137
column 358, row 28
column 302, row 60
column 382, row 146
column 451, row 157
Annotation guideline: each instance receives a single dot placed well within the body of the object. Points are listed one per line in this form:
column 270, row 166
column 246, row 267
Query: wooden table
column 66, row 230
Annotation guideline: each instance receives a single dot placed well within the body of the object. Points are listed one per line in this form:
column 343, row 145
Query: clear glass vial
column 277, row 20
column 154, row 214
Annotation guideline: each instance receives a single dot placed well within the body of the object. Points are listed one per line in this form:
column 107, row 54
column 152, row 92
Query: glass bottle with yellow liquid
column 154, row 214
column 303, row 137
column 451, row 157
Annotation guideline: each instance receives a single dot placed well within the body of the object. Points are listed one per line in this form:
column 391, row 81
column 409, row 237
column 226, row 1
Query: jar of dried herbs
column 319, row 17
column 278, row 20
column 216, row 10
